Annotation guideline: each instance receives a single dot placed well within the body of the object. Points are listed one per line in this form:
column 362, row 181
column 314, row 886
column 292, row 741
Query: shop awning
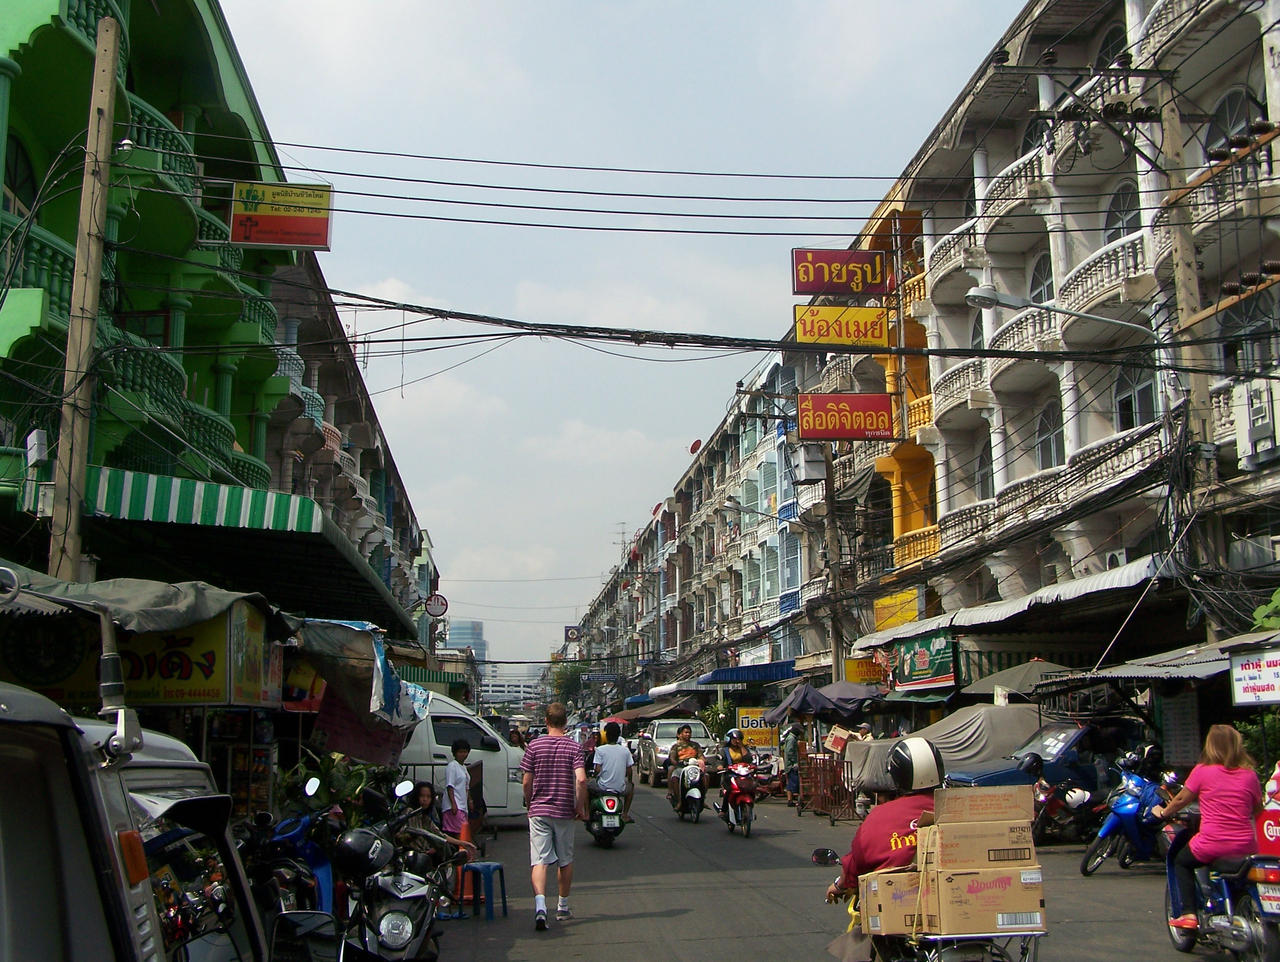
column 666, row 706
column 635, row 701
column 917, row 697
column 242, row 539
column 771, row 671
column 1126, row 576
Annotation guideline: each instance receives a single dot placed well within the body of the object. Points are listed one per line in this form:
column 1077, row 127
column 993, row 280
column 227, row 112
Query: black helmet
column 915, row 764
column 1032, row 764
column 361, row 852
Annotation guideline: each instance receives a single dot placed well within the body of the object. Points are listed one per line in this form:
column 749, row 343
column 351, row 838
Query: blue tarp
column 772, row 671
column 635, row 701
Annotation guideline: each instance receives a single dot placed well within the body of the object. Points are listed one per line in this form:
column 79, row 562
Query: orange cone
column 466, row 887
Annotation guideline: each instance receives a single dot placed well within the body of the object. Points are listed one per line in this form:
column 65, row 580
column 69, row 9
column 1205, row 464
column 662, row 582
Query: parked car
column 654, row 744
column 1081, row 751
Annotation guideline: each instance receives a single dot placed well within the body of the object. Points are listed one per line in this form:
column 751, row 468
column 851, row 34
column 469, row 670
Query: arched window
column 1135, row 397
column 1123, row 216
column 1040, row 290
column 1114, row 42
column 1034, row 136
column 19, row 194
column 977, row 339
column 1235, row 111
column 1250, row 339
column 984, row 475
column 1051, row 444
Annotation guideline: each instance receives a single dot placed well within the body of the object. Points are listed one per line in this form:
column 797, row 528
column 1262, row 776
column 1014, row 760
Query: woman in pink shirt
column 1230, row 797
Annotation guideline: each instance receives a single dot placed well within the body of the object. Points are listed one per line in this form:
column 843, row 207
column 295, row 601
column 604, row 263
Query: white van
column 430, row 750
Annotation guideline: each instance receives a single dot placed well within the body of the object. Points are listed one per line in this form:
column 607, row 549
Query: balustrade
column 1221, row 400
column 209, row 432
column 215, row 235
column 949, row 252
column 1113, row 459
column 83, row 17
column 150, row 130
column 965, row 524
column 1011, row 187
column 44, row 261
column 1038, row 492
column 1103, row 273
column 1023, row 332
column 954, row 385
column 250, row 471
column 916, row 545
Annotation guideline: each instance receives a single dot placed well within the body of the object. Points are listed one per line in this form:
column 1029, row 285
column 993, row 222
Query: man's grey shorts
column 551, row 840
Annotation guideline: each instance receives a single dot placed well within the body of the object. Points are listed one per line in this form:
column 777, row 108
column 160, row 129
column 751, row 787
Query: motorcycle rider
column 1230, row 798
column 916, row 769
column 735, row 750
column 684, row 751
column 613, row 769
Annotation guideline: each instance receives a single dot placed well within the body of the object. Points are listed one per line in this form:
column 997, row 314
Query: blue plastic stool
column 486, row 871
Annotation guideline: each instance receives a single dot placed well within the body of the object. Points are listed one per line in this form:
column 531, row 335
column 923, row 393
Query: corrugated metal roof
column 28, row 604
column 1194, row 662
column 1126, row 576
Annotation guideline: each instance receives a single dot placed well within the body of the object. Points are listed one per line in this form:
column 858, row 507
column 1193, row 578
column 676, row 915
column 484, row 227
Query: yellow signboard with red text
column 756, row 732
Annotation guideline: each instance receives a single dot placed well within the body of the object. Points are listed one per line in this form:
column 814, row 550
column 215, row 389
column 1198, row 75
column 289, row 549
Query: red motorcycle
column 738, row 797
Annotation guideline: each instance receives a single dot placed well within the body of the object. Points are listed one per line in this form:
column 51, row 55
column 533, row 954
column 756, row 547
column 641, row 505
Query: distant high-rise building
column 470, row 634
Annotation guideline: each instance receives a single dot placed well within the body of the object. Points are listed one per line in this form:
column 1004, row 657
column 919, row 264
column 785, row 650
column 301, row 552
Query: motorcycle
column 689, row 799
column 395, row 892
column 1129, row 830
column 769, row 776
column 604, row 818
column 1237, row 904
column 738, row 797
column 1067, row 812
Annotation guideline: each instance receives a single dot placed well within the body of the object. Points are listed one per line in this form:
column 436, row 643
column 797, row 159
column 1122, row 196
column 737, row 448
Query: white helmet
column 915, row 764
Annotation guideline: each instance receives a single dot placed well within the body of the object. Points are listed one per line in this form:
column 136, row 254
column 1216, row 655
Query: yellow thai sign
column 756, row 732
column 863, row 671
column 850, row 326
column 295, row 216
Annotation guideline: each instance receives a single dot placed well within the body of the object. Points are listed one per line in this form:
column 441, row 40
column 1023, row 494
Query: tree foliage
column 566, row 682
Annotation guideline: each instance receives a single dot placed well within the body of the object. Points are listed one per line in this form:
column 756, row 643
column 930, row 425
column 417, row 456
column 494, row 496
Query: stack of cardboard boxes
column 975, row 871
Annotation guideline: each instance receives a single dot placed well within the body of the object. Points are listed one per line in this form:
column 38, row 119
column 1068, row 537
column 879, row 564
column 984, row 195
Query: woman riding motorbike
column 684, row 751
column 1230, row 797
column 735, row 749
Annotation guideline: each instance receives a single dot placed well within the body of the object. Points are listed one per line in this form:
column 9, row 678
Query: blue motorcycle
column 1130, row 831
column 1237, row 904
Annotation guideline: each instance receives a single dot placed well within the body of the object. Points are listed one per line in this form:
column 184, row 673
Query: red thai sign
column 841, row 272
column 845, row 417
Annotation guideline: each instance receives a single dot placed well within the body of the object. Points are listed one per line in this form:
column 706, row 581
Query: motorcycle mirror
column 404, row 788
column 825, row 856
column 312, row 786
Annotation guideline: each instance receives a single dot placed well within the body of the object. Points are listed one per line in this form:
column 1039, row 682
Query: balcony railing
column 814, row 588
column 260, row 312
column 916, row 545
column 962, row 525
column 44, row 261
column 141, row 368
column 955, row 384
column 209, row 432
column 874, row 562
column 83, row 16
column 1170, row 17
column 1024, row 332
column 949, row 252
column 1113, row 459
column 152, row 131
column 1035, row 494
column 1103, row 274
column 251, row 471
column 313, row 404
column 838, row 374
column 867, row 452
column 919, row 414
column 215, row 235
column 1011, row 187
column 914, row 290
column 1223, row 419
column 332, row 436
column 290, row 364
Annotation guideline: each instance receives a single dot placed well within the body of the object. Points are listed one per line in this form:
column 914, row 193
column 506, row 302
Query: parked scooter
column 1130, row 832
column 689, row 798
column 1237, row 904
column 1067, row 811
column 604, row 818
column 394, row 892
column 738, row 797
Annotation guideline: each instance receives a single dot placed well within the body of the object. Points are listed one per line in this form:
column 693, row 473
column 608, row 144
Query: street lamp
column 984, row 297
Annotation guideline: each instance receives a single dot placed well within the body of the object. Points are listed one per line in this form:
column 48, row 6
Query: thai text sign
column 849, row 417
column 840, row 272
column 281, row 215
column 863, row 671
column 1255, row 678
column 756, row 732
column 924, row 663
column 849, row 326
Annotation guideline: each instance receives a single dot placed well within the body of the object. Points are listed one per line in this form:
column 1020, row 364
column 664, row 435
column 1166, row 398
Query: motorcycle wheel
column 697, row 815
column 1039, row 830
column 744, row 819
column 1099, row 850
column 1184, row 940
column 1266, row 946
column 604, row 840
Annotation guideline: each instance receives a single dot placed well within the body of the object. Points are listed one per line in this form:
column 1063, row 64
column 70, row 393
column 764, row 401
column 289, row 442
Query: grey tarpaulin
column 838, row 701
column 137, row 605
column 974, row 734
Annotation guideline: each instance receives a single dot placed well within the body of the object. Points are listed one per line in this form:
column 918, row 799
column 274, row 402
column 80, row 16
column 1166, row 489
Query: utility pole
column 832, row 536
column 77, row 384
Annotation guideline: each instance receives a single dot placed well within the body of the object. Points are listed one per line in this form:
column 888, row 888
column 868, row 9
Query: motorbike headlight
column 395, row 929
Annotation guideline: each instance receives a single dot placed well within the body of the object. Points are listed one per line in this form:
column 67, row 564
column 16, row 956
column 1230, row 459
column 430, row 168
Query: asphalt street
column 680, row 892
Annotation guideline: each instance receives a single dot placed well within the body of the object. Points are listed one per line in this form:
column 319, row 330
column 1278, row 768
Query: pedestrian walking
column 457, row 789
column 791, row 761
column 555, row 792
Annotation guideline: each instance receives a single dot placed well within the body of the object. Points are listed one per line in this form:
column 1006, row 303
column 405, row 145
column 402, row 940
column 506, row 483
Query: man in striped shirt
column 555, row 792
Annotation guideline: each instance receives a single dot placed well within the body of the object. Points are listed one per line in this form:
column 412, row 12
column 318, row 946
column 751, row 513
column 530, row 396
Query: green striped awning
column 135, row 496
column 429, row 676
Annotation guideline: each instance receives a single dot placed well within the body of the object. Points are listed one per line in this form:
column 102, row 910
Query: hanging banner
column 296, row 216
column 845, row 417
column 923, row 663
column 844, row 326
column 840, row 272
column 1255, row 678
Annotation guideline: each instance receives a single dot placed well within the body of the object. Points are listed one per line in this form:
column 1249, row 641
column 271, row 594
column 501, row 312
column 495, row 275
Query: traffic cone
column 466, row 881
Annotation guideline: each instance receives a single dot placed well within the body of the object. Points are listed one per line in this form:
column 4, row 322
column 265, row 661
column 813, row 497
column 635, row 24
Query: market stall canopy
column 666, row 706
column 839, row 700
column 771, row 671
column 1020, row 678
column 966, row 737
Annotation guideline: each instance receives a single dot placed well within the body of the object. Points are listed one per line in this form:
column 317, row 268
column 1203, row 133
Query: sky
column 530, row 462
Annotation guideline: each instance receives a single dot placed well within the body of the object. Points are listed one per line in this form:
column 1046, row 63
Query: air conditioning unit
column 810, row 465
column 1117, row 558
column 1254, row 406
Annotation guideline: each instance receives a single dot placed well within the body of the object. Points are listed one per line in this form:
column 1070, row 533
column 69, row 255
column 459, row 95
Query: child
column 457, row 786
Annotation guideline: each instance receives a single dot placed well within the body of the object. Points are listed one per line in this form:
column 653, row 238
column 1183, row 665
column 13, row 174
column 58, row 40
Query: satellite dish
column 693, row 448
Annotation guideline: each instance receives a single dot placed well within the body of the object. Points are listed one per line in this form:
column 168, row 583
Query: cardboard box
column 994, row 804
column 836, row 739
column 983, row 901
column 958, row 845
column 889, row 902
